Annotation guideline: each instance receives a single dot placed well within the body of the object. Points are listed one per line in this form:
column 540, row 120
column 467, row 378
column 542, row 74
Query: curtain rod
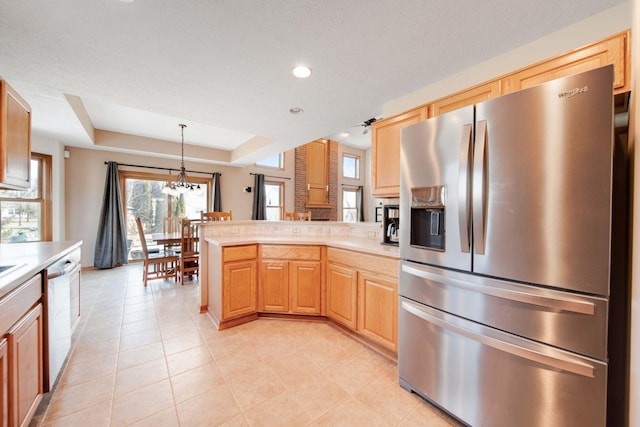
column 351, row 185
column 270, row 176
column 159, row 167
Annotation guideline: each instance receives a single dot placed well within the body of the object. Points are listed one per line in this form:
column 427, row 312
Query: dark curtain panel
column 111, row 241
column 217, row 204
column 360, row 204
column 259, row 202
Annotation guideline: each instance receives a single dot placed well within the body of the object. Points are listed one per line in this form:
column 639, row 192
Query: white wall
column 55, row 149
column 85, row 174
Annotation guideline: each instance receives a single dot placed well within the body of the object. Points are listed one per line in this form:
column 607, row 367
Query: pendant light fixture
column 181, row 184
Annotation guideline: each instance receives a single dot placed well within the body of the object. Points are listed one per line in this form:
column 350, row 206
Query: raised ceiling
column 116, row 75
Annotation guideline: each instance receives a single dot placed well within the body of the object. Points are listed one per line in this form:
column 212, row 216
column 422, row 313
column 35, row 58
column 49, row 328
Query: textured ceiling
column 224, row 67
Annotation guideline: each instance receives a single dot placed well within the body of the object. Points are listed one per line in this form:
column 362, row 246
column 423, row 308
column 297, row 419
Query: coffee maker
column 391, row 225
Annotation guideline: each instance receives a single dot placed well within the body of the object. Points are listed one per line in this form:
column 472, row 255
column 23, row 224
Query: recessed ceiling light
column 296, row 110
column 302, row 72
column 345, row 134
column 127, row 1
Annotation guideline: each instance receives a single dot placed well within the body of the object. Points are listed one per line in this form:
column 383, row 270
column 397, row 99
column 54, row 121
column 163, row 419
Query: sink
column 8, row 268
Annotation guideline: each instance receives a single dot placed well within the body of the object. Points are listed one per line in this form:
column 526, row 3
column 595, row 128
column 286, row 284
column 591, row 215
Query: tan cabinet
column 362, row 294
column 612, row 50
column 4, row 382
column 342, row 294
column 240, row 285
column 274, row 287
column 240, row 288
column 318, row 174
column 15, row 138
column 25, row 348
column 306, row 287
column 378, row 309
column 466, row 97
column 22, row 353
column 290, row 279
column 385, row 151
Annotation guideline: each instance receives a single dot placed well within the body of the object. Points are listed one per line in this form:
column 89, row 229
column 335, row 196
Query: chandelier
column 181, row 184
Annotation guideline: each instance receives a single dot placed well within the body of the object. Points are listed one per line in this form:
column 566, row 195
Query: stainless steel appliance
column 61, row 312
column 391, row 225
column 506, row 244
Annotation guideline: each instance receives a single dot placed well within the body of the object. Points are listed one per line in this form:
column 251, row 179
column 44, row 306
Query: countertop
column 31, row 257
column 359, row 244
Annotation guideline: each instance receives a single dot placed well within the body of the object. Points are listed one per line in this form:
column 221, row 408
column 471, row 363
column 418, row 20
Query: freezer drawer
column 487, row 377
column 572, row 322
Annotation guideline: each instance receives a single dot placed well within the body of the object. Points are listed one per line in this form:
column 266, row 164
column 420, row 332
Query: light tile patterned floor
column 145, row 357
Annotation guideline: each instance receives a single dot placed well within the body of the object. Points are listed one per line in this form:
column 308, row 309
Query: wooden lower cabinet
column 274, row 287
column 290, row 279
column 378, row 310
column 25, row 353
column 305, row 287
column 240, row 288
column 4, row 382
column 342, row 295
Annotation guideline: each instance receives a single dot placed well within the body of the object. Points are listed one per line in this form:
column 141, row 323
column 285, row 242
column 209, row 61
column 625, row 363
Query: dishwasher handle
column 62, row 269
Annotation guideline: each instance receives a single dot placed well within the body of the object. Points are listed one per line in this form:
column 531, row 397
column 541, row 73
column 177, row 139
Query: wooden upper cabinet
column 385, row 150
column 15, row 138
column 466, row 97
column 318, row 173
column 613, row 50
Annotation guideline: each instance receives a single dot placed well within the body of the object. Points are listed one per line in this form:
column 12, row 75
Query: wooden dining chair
column 216, row 216
column 171, row 224
column 156, row 266
column 297, row 216
column 189, row 250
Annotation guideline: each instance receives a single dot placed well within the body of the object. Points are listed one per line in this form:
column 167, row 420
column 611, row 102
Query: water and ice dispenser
column 427, row 217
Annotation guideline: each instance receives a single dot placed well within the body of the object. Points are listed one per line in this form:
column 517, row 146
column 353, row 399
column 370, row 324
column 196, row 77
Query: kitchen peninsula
column 331, row 271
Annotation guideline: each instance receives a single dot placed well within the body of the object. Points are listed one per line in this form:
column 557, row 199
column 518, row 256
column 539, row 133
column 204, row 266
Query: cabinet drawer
column 359, row 261
column 19, row 301
column 291, row 252
column 236, row 253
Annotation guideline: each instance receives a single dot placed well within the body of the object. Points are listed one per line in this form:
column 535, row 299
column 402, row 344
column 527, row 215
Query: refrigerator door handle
column 478, row 187
column 554, row 361
column 550, row 302
column 463, row 189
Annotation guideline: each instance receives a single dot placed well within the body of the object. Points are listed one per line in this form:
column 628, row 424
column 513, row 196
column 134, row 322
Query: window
column 275, row 161
column 142, row 197
column 350, row 166
column 349, row 205
column 25, row 215
column 274, row 200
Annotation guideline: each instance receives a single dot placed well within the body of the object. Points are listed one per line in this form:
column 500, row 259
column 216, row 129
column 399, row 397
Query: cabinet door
column 274, row 286
column 4, row 382
column 240, row 289
column 15, row 138
column 342, row 292
column 318, row 173
column 25, row 366
column 467, row 97
column 378, row 310
column 306, row 277
column 613, row 50
column 385, row 150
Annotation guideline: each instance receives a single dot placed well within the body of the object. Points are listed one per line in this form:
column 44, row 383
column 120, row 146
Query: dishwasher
column 61, row 296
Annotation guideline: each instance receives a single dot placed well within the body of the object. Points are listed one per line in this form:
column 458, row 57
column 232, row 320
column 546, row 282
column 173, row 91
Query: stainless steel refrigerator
column 506, row 246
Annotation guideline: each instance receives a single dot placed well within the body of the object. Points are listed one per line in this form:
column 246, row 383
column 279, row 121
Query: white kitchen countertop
column 31, row 257
column 359, row 244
